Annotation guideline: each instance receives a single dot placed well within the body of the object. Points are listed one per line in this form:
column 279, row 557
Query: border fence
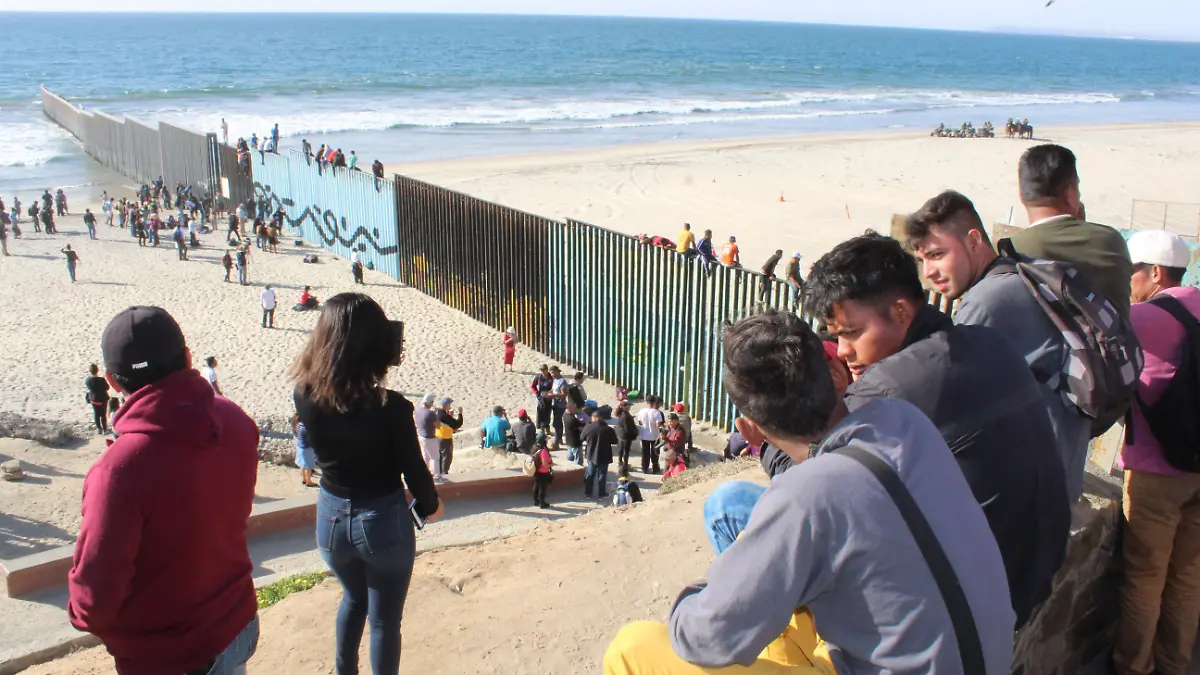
column 143, row 152
column 644, row 317
column 1181, row 218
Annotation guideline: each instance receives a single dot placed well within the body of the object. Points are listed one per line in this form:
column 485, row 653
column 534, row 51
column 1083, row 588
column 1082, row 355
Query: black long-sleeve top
column 450, row 420
column 363, row 453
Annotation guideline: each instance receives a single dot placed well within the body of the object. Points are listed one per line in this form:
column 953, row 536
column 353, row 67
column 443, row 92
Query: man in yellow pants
column 826, row 547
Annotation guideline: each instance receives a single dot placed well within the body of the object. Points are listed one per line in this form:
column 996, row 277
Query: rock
column 48, row 433
column 11, row 470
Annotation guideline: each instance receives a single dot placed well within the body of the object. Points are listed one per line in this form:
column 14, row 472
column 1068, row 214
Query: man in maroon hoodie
column 161, row 572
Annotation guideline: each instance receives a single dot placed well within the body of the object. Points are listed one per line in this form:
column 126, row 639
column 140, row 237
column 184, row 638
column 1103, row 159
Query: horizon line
column 999, row 30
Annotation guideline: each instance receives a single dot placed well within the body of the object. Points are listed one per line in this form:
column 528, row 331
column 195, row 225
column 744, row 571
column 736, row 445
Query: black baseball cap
column 141, row 338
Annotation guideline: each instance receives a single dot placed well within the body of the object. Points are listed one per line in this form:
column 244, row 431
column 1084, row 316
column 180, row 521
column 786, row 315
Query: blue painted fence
column 339, row 210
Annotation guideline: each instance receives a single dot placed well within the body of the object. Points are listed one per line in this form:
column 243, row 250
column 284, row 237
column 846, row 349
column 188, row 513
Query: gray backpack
column 1104, row 358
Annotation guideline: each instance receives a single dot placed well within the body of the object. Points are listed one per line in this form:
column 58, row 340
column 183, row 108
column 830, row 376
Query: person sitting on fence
column 660, row 242
column 307, row 300
column 687, row 240
column 730, row 254
column 353, row 159
column 704, row 247
column 377, row 169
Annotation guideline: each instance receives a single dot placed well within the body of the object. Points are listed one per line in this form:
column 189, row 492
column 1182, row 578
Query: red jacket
column 161, row 571
column 675, row 469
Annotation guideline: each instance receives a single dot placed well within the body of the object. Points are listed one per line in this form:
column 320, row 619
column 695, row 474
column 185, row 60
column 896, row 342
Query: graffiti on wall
column 328, row 226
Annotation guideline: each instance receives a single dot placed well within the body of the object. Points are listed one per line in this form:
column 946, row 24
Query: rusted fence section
column 628, row 313
column 488, row 261
column 649, row 318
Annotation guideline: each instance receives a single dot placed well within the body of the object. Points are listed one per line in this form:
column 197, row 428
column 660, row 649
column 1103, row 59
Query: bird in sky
column 1051, row 2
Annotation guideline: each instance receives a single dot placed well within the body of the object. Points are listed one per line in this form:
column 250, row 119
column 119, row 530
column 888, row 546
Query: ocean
column 422, row 87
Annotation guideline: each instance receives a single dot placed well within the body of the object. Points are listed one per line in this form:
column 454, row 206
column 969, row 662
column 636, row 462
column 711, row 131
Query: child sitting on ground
column 628, row 491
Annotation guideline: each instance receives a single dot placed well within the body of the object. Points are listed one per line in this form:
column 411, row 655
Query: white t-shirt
column 356, row 257
column 267, row 298
column 648, row 420
column 210, row 374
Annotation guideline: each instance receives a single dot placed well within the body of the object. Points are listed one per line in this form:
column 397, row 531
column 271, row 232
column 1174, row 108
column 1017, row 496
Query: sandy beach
column 833, row 186
column 52, row 327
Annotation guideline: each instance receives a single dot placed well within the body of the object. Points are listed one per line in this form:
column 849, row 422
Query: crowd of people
column 325, row 158
column 919, row 510
column 704, row 251
column 922, row 466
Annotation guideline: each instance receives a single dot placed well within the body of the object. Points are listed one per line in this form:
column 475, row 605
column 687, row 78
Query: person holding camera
column 365, row 441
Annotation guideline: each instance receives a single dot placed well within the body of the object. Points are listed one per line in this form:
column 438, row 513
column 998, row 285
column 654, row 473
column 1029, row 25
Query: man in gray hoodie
column 826, row 545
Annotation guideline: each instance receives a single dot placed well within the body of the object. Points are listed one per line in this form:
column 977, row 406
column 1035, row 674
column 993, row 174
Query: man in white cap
column 426, row 418
column 1161, row 544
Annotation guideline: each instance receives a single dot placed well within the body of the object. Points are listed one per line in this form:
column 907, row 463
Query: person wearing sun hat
column 161, row 573
column 1161, row 539
column 510, row 349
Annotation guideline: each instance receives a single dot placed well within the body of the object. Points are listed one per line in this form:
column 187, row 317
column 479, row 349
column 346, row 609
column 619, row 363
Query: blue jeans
column 71, row 270
column 595, row 479
column 727, row 511
column 233, row 660
column 370, row 545
column 575, row 455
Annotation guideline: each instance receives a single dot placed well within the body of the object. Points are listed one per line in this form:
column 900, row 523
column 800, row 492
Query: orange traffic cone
column 781, row 197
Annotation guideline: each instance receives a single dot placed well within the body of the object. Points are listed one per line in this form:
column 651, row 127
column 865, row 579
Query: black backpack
column 1175, row 419
column 1100, row 374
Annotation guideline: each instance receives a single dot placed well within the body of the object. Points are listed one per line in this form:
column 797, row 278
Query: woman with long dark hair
column 365, row 440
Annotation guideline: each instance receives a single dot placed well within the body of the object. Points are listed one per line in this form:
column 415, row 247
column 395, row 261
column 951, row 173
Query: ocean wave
column 38, row 142
column 325, row 115
column 31, row 144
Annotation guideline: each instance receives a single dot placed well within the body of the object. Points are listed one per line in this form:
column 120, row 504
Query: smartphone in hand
column 417, row 519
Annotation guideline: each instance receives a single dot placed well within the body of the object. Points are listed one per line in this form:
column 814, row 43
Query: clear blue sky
column 1165, row 19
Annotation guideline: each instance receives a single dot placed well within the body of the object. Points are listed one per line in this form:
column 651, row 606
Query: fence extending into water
column 636, row 315
column 143, row 152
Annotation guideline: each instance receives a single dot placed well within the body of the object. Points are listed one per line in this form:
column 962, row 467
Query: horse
column 1011, row 128
column 1025, row 130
